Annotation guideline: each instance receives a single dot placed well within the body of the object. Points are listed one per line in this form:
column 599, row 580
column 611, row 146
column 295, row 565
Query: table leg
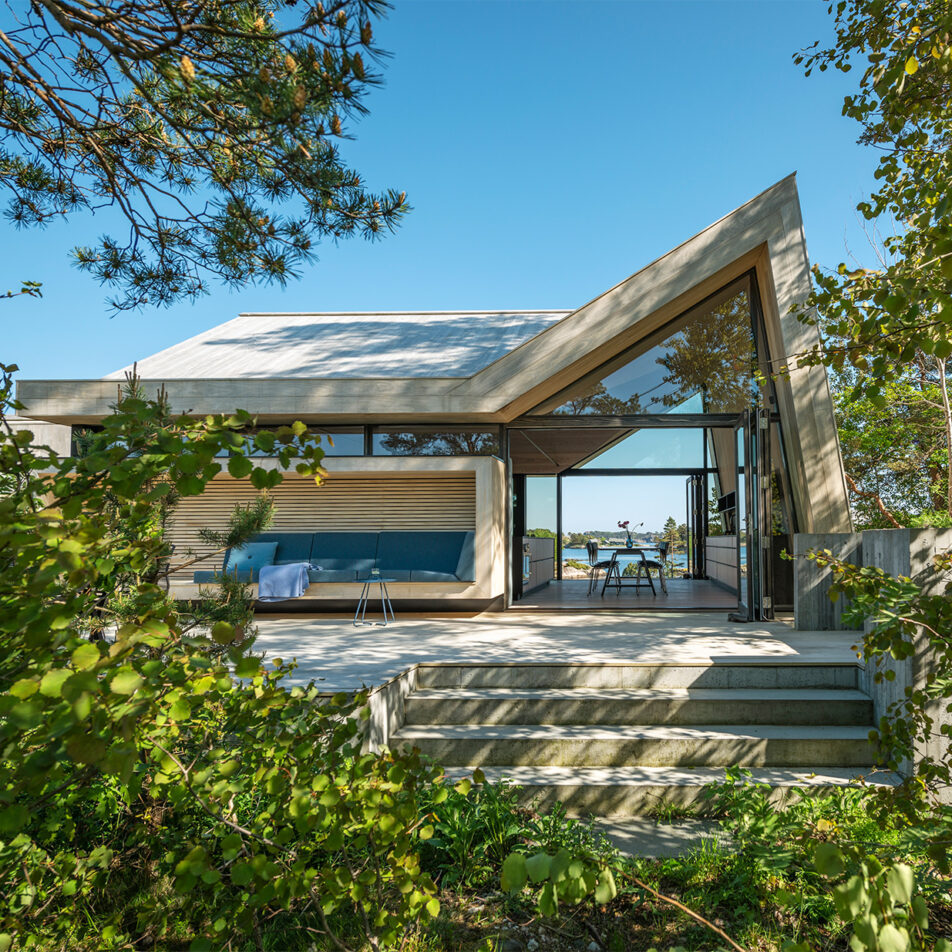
column 362, row 601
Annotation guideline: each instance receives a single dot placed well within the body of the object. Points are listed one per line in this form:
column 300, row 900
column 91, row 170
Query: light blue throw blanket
column 279, row 582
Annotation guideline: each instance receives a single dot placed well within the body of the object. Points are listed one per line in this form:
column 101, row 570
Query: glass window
column 434, row 441
column 703, row 363
column 653, row 449
column 345, row 442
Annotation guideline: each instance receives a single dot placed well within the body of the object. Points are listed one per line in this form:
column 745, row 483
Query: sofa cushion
column 292, row 546
column 251, row 555
column 422, row 575
column 428, row 551
column 332, row 575
column 349, row 546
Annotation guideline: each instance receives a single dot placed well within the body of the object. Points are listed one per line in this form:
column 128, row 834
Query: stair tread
column 674, row 776
column 637, row 694
column 624, row 732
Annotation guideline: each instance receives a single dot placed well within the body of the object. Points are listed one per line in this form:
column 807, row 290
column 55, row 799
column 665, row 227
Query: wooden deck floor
column 343, row 657
column 683, row 595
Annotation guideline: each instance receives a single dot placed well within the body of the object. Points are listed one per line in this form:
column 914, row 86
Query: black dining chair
column 657, row 564
column 596, row 565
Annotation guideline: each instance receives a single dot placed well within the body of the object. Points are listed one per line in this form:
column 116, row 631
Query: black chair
column 657, row 564
column 592, row 548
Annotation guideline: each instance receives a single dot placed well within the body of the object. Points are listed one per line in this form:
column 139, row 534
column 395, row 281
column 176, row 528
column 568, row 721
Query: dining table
column 614, row 571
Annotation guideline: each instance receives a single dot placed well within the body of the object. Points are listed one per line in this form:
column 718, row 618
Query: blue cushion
column 422, row 575
column 348, row 546
column 429, row 551
column 292, row 546
column 251, row 555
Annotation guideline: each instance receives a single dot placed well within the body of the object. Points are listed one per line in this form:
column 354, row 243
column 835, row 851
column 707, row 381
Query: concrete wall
column 54, row 435
column 812, row 607
column 899, row 552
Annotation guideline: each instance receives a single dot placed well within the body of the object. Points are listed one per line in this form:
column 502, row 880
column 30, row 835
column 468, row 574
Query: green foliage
column 210, row 126
column 159, row 785
column 879, row 319
column 896, row 456
column 833, row 853
column 886, row 329
column 904, row 620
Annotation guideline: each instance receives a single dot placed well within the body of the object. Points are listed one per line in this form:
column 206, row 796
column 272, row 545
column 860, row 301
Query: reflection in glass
column 425, row 441
column 706, row 365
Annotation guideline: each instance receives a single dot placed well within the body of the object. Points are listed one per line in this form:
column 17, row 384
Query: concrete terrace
column 341, row 657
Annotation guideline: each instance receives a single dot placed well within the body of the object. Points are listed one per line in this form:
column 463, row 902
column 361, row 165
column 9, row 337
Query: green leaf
column 223, row 633
column 549, row 900
column 86, row 749
column 242, row 874
column 85, row 656
column 605, row 890
column 14, row 818
column 240, row 466
column 24, row 688
column 514, row 873
column 920, row 912
column 180, row 710
column 851, row 898
column 892, row 939
column 126, row 681
column 538, row 867
column 433, row 907
column 190, row 486
column 901, row 882
column 464, row 786
column 6, row 940
column 247, row 667
column 828, row 860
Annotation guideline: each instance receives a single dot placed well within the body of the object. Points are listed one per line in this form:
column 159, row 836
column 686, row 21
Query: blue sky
column 549, row 150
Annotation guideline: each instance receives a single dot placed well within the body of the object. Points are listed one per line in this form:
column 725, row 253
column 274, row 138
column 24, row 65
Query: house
column 456, row 422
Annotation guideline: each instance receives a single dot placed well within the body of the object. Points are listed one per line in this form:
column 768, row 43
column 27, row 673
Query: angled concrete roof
column 333, row 345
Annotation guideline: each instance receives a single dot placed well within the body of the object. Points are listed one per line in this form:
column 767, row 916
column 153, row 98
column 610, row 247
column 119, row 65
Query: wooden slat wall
column 341, row 503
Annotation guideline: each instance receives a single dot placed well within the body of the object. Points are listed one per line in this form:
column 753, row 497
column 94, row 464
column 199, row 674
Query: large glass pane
column 653, row 449
column 703, row 363
column 434, row 441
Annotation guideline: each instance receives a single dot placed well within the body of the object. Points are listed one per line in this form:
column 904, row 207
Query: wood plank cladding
column 342, row 503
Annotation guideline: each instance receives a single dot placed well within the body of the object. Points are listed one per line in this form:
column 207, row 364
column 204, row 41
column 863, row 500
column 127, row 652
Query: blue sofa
column 422, row 556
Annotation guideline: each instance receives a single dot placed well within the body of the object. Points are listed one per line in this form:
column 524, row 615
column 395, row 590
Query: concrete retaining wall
column 905, row 552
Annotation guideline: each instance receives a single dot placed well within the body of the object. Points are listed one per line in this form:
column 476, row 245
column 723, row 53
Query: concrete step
column 635, row 791
column 671, row 705
column 561, row 745
column 735, row 674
